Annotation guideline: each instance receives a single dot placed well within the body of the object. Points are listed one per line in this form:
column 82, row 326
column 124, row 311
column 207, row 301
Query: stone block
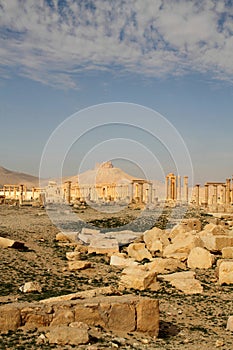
column 103, row 246
column 78, row 265
column 67, row 236
column 64, row 335
column 138, row 277
column 138, row 251
column 30, row 287
column 183, row 281
column 186, row 225
column 182, row 245
column 216, row 229
column 155, row 239
column 226, row 272
column 227, row 253
column 200, row 258
column 9, row 243
column 73, row 255
column 163, row 265
column 148, row 316
column 215, row 243
column 10, row 318
column 230, row 324
column 120, row 260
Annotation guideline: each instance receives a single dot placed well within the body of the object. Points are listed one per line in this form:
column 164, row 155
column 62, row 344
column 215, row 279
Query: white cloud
column 54, row 43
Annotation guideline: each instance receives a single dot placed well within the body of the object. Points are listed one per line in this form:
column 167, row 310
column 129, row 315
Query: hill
column 16, row 178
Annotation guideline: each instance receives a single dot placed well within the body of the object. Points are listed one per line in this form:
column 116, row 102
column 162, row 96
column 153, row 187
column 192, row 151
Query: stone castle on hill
column 106, row 183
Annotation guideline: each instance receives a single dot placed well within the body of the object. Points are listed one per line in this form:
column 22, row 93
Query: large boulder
column 181, row 245
column 155, row 239
column 78, row 265
column 65, row 335
column 121, row 260
column 225, row 272
column 216, row 229
column 200, row 258
column 215, row 243
column 137, row 277
column 183, row 281
column 186, row 225
column 103, row 246
column 138, row 251
column 227, row 253
column 163, row 265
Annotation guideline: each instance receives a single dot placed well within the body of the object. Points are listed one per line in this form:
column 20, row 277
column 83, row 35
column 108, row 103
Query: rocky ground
column 186, row 321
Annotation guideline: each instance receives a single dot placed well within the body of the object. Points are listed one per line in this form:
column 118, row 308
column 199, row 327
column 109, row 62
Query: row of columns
column 225, row 193
column 173, row 187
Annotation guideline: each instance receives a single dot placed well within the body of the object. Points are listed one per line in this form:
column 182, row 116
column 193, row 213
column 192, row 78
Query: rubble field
column 187, row 268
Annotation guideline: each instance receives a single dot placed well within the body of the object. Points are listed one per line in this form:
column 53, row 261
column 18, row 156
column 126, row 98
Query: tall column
column 197, row 195
column 25, row 193
column 4, row 190
column 167, row 188
column 186, row 189
column 150, row 193
column 33, row 192
column 68, row 192
column 224, row 194
column 215, row 197
column 206, row 195
column 141, row 193
column 179, row 188
column 228, row 187
column 21, row 194
column 131, row 191
column 14, row 192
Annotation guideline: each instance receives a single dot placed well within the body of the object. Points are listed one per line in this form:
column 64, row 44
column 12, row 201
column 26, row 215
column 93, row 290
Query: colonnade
column 174, row 188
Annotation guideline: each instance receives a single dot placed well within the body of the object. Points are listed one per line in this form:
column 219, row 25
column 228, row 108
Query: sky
column 175, row 57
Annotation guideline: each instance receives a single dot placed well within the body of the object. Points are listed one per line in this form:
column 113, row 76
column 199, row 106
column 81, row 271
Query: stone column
column 21, row 194
column 186, row 189
column 154, row 195
column 206, row 195
column 4, row 190
column 179, row 188
column 68, row 192
column 150, row 193
column 9, row 191
column 33, row 192
column 215, row 197
column 14, row 192
column 228, row 187
column 167, row 188
column 197, row 195
column 141, row 193
column 224, row 194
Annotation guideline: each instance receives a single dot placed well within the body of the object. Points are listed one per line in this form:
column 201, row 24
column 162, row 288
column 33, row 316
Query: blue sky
column 58, row 57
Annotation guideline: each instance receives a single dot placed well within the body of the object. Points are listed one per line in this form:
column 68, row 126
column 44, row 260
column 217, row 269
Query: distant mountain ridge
column 10, row 177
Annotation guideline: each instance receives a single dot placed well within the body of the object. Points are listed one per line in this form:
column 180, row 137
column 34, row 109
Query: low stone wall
column 125, row 313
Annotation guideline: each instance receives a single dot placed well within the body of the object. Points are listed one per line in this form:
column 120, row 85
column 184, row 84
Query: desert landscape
column 191, row 315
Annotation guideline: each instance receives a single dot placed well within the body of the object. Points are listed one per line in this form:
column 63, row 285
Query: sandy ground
column 187, row 321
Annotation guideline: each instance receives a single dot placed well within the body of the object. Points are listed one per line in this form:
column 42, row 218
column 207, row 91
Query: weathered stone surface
column 73, row 255
column 155, row 239
column 30, row 287
column 103, row 246
column 186, row 225
column 109, row 290
column 62, row 316
column 67, row 236
column 138, row 277
column 117, row 313
column 64, row 335
column 227, row 253
column 215, row 243
column 124, row 237
column 10, row 318
column 230, row 324
column 120, row 260
column 138, row 251
column 88, row 234
column 216, row 229
column 200, row 258
column 78, row 265
column 184, row 281
column 9, row 243
column 181, row 245
column 163, row 265
column 226, row 272
column 148, row 316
